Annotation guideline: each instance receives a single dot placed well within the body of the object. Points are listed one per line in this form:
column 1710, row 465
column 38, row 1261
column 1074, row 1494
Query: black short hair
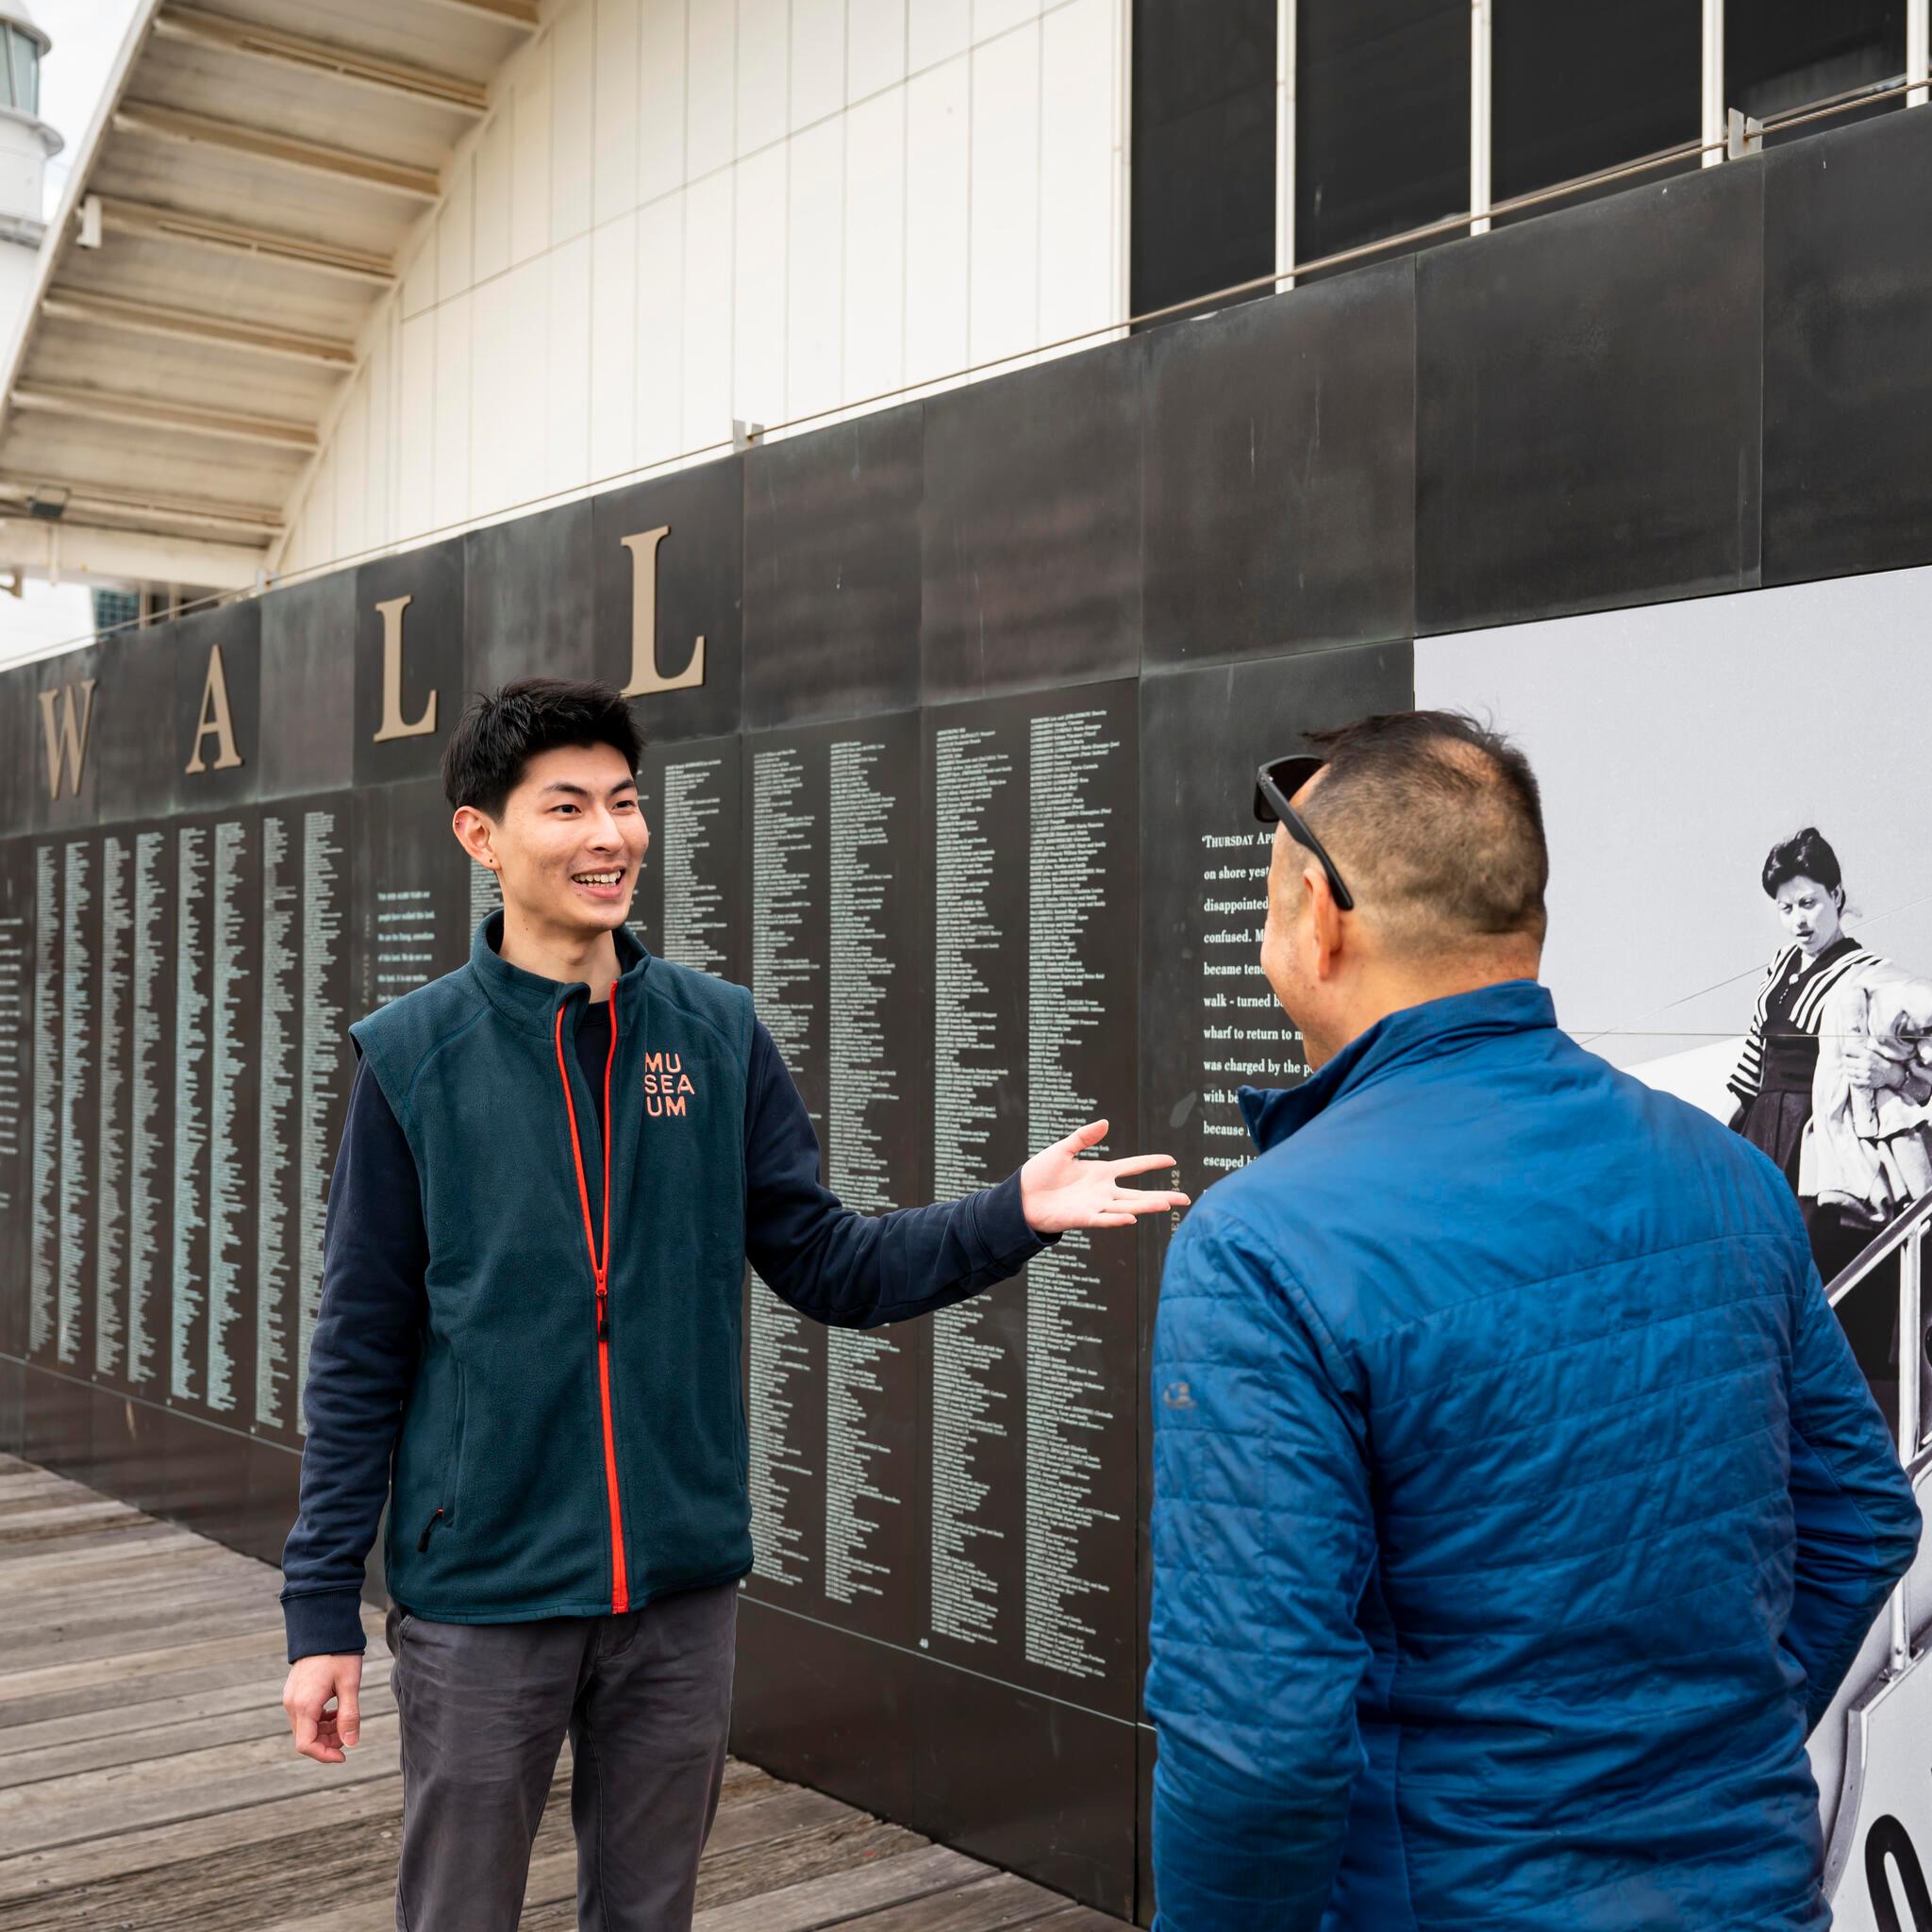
column 501, row 731
column 1806, row 855
column 1436, row 821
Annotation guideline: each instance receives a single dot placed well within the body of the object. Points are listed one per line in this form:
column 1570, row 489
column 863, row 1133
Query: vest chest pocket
column 445, row 1515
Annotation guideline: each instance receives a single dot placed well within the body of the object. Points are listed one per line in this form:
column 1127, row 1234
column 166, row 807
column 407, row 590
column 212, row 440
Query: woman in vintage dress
column 1774, row 1074
column 1835, row 1084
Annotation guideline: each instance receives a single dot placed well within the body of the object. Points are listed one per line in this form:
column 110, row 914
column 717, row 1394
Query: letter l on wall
column 644, row 675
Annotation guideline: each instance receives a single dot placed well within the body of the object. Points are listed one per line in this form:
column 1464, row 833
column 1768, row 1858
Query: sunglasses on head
column 1276, row 783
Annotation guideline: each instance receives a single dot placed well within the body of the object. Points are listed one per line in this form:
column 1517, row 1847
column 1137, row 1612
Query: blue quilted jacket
column 1518, row 1506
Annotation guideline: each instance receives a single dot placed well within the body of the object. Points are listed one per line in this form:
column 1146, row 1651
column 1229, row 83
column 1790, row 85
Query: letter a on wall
column 215, row 718
column 394, row 724
column 645, row 675
column 67, row 735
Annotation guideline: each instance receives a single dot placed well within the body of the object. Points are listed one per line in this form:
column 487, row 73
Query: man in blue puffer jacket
column 1518, row 1504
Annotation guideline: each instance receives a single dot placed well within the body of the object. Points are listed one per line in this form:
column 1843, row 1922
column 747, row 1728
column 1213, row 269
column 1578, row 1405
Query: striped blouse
column 1792, row 1001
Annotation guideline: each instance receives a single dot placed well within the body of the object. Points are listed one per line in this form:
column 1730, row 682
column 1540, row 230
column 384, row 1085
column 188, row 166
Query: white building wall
column 683, row 211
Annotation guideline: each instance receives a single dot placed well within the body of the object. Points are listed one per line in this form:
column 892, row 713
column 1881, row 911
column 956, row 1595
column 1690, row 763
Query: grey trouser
column 646, row 1700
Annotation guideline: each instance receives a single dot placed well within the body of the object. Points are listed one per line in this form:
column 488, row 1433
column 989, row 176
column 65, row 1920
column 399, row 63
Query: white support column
column 1715, row 128
column 1481, row 31
column 1284, row 142
column 1918, row 50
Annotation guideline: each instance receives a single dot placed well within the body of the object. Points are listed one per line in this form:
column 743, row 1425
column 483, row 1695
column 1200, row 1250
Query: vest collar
column 527, row 1000
column 1416, row 1033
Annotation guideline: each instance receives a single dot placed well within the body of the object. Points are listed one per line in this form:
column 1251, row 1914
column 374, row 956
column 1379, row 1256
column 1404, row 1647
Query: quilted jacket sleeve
column 1857, row 1519
column 1263, row 1540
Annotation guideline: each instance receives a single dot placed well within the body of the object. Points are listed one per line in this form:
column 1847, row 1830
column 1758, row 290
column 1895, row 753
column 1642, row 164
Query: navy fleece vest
column 510, row 1498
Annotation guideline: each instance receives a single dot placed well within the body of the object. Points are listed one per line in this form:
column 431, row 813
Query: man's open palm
column 1059, row 1190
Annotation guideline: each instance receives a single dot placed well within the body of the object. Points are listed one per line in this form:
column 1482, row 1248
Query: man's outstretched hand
column 1060, row 1191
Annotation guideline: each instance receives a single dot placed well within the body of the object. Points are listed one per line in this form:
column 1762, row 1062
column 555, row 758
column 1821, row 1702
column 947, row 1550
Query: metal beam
column 1712, row 121
column 1481, row 99
column 520, row 14
column 230, row 238
column 239, row 521
column 143, row 412
column 184, row 325
column 197, row 27
column 258, row 144
column 70, row 552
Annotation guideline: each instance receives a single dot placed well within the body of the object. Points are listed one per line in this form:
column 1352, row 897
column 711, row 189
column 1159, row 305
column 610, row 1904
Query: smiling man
column 556, row 1162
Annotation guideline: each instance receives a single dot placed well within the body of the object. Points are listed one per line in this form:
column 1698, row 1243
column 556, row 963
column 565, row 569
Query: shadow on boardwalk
column 147, row 1780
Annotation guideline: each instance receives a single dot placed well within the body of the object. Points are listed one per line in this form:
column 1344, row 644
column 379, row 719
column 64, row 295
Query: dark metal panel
column 129, row 1450
column 265, row 1512
column 308, row 686
column 234, row 630
column 151, row 1075
column 59, row 1424
column 430, row 627
column 13, row 1375
column 138, row 748
column 698, row 591
column 1036, row 1786
column 210, row 1349
column 1031, row 528
column 1281, row 473
column 529, row 600
column 1034, row 1386
column 1847, row 382
column 688, row 906
column 826, row 1707
column 66, row 1103
column 22, row 757
column 832, row 571
column 304, row 1009
column 840, row 946
column 1587, row 407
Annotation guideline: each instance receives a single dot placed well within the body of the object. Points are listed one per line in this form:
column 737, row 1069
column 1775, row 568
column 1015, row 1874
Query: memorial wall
column 952, row 715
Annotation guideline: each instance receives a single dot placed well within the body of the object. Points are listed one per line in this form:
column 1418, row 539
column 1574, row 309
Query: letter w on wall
column 67, row 734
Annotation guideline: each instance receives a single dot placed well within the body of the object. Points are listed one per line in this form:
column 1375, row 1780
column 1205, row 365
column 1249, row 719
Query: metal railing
column 1904, row 1238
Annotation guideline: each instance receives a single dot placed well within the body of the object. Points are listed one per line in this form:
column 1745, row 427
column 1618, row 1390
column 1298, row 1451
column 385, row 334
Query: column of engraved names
column 15, row 969
column 227, row 1174
column 78, row 1045
column 860, row 1479
column 696, row 928
column 111, row 1130
column 148, row 953
column 1066, row 1398
column 280, row 1074
column 1244, row 1034
column 191, row 1106
column 322, row 1026
column 968, row 770
column 44, row 1219
column 782, row 978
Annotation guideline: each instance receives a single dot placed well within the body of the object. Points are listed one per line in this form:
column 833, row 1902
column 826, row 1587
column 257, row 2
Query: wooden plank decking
column 147, row 1781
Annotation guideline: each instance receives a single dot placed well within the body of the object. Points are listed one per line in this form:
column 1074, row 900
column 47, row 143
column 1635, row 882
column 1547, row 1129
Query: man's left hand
column 1059, row 1190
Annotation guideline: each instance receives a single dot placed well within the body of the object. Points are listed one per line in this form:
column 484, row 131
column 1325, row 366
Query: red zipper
column 600, row 1274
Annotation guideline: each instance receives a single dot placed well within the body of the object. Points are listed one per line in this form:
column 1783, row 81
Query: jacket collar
column 530, row 1002
column 1416, row 1033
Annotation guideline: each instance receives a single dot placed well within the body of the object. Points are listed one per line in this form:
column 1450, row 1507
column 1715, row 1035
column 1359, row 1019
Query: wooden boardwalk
column 147, row 1781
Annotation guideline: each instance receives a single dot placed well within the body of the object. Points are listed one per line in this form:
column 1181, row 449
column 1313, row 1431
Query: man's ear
column 1324, row 919
column 475, row 835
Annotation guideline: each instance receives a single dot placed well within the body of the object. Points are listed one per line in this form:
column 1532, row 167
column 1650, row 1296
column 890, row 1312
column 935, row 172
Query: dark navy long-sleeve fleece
column 830, row 1264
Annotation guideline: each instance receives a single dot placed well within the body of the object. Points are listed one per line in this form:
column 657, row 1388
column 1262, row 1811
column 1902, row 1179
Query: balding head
column 1435, row 822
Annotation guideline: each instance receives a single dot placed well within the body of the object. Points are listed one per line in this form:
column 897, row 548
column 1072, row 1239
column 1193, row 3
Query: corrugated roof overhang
column 231, row 224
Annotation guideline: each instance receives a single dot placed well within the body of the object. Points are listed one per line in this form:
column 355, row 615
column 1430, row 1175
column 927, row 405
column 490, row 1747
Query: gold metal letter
column 66, row 740
column 392, row 725
column 215, row 717
column 644, row 675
